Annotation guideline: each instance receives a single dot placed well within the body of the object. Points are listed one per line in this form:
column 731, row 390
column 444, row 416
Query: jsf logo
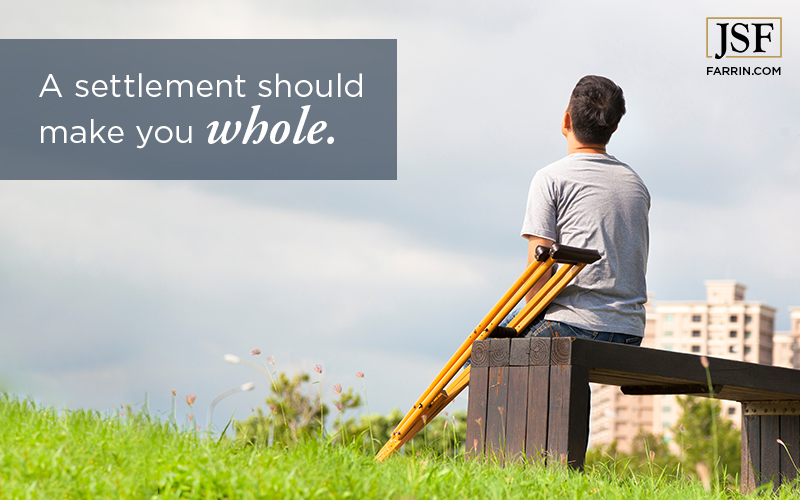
column 743, row 37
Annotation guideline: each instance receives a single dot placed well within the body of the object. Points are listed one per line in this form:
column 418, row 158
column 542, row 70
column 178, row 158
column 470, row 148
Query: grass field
column 50, row 454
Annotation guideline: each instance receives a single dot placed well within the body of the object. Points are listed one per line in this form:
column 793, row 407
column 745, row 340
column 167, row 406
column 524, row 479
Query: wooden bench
column 529, row 397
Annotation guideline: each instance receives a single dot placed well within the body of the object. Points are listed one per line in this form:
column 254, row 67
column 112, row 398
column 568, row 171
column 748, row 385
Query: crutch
column 524, row 283
column 436, row 397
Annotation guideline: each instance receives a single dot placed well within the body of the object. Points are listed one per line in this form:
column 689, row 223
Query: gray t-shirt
column 595, row 201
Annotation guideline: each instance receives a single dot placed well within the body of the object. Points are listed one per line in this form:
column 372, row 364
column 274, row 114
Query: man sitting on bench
column 589, row 199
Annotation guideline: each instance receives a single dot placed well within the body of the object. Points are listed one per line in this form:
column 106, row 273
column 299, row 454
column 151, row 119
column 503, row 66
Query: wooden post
column 478, row 392
column 751, row 452
column 497, row 401
column 568, row 414
column 526, row 396
column 538, row 399
column 790, row 435
column 517, row 411
column 770, row 450
column 764, row 460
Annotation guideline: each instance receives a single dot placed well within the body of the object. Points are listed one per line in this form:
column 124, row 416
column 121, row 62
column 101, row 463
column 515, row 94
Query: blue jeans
column 545, row 328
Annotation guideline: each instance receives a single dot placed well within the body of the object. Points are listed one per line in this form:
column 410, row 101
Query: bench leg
column 764, row 460
column 567, row 433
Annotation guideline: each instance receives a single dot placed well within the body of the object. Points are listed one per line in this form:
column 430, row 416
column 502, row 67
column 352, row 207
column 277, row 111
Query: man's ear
column 566, row 123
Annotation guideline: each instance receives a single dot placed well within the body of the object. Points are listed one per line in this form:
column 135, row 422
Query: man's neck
column 573, row 146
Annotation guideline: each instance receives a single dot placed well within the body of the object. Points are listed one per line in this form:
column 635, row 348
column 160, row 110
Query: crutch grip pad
column 504, row 332
column 542, row 253
column 573, row 255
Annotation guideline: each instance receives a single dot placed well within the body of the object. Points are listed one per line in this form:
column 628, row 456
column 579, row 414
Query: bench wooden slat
column 538, row 399
column 733, row 393
column 770, row 452
column 476, row 409
column 497, row 401
column 692, row 389
column 516, row 411
column 568, row 412
column 751, row 452
column 790, row 435
column 520, row 352
column 517, row 416
column 496, row 411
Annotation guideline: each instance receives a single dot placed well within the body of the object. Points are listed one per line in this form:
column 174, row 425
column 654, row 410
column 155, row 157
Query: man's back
column 595, row 201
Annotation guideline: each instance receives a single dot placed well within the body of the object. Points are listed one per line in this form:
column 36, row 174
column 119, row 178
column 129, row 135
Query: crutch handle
column 504, row 332
column 572, row 255
column 542, row 253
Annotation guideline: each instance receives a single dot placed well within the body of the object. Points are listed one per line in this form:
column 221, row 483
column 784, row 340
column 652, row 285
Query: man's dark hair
column 595, row 107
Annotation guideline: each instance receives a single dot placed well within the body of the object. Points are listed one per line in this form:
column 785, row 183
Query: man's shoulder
column 561, row 163
column 581, row 160
column 578, row 170
column 579, row 165
column 585, row 163
column 555, row 170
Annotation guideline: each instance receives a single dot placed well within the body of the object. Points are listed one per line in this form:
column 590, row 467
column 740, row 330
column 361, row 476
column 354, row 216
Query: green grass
column 50, row 454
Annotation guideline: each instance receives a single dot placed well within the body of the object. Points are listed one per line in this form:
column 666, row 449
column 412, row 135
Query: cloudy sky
column 109, row 290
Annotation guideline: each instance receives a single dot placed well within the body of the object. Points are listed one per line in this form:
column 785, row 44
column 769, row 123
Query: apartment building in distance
column 786, row 345
column 725, row 325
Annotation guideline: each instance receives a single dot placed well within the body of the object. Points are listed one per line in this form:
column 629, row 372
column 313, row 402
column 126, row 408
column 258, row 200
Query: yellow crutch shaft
column 557, row 282
column 542, row 298
column 457, row 361
column 433, row 400
column 531, row 315
column 525, row 282
column 538, row 297
column 458, row 384
column 482, row 325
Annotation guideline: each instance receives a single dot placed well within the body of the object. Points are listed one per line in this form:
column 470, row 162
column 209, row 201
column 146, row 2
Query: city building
column 786, row 345
column 724, row 325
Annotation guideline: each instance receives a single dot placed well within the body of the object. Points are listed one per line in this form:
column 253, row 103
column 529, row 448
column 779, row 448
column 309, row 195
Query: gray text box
column 124, row 84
